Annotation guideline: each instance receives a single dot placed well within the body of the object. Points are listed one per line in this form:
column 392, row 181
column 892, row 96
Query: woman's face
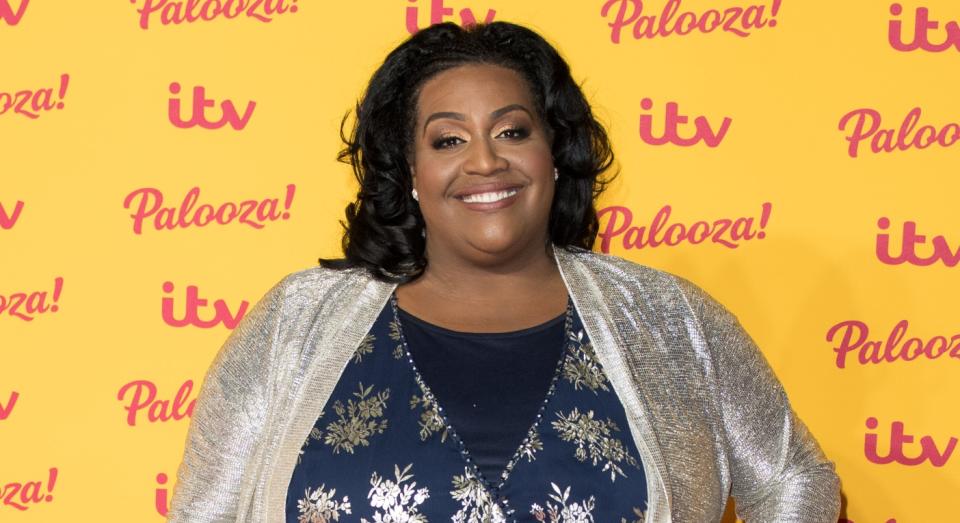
column 482, row 163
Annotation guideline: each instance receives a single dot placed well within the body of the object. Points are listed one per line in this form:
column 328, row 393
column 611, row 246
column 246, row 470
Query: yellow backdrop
column 164, row 162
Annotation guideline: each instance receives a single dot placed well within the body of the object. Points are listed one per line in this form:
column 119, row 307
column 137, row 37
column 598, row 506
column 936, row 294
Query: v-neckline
column 492, row 489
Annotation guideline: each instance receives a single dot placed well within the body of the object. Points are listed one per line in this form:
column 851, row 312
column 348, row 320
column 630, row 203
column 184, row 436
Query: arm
column 228, row 418
column 778, row 472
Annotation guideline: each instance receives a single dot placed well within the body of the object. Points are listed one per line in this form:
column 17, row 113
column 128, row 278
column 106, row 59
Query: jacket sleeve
column 778, row 471
column 228, row 418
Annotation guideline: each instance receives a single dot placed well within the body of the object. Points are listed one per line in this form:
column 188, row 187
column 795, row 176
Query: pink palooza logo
column 672, row 20
column 8, row 219
column 438, row 12
column 23, row 495
column 10, row 15
column 148, row 210
column 32, row 103
column 27, row 305
column 175, row 12
column 140, row 397
column 198, row 112
column 929, row 451
column 866, row 127
column 923, row 25
column 192, row 305
column 910, row 240
column 672, row 120
column 7, row 409
column 853, row 337
column 616, row 222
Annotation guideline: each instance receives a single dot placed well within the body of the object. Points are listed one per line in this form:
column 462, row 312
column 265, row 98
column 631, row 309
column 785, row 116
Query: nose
column 483, row 158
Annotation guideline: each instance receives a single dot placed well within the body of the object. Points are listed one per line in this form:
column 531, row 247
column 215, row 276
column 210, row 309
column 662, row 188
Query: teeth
column 489, row 197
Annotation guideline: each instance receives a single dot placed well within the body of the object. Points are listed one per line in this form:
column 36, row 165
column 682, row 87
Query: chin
column 493, row 245
column 497, row 245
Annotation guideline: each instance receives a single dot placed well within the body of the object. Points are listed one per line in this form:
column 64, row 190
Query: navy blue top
column 491, row 385
column 524, row 426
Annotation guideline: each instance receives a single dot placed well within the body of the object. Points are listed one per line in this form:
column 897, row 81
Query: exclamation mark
column 764, row 218
column 288, row 201
column 57, row 289
column 64, row 82
column 51, row 483
column 774, row 11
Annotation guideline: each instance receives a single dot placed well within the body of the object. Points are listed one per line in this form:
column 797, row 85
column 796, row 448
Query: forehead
column 473, row 88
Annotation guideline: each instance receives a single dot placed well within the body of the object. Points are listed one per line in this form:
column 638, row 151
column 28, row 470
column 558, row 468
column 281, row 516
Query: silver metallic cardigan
column 708, row 415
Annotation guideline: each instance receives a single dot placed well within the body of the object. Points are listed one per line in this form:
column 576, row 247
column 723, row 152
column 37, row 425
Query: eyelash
column 442, row 142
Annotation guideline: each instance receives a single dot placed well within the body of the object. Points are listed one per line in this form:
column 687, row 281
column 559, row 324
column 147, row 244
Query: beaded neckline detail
column 532, row 432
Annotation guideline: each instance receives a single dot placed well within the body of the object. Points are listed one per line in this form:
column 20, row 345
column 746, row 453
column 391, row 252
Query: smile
column 489, row 197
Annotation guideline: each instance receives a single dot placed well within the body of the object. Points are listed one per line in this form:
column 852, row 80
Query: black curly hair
column 383, row 228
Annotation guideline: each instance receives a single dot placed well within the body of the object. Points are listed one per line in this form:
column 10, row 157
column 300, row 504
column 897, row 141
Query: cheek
column 536, row 159
column 432, row 174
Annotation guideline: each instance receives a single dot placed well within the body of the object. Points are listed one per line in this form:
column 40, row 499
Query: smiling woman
column 484, row 176
column 470, row 358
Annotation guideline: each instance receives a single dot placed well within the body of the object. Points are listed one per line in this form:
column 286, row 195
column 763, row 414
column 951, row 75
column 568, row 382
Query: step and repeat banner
column 164, row 162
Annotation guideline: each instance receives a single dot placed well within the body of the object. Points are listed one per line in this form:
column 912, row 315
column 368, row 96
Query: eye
column 446, row 142
column 515, row 133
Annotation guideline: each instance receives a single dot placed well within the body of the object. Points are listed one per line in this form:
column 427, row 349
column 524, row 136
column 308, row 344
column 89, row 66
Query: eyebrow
column 458, row 116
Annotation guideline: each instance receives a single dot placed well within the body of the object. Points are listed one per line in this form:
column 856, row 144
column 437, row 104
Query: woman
column 470, row 359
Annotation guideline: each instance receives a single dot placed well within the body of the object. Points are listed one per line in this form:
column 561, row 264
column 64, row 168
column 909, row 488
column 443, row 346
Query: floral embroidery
column 580, row 365
column 357, row 415
column 398, row 351
column 397, row 503
column 476, row 506
column 320, row 506
column 638, row 514
column 430, row 419
column 357, row 421
column 530, row 446
column 564, row 512
column 315, row 433
column 594, row 439
column 365, row 347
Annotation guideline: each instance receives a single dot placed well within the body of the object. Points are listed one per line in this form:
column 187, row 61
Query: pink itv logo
column 9, row 218
column 929, row 449
column 438, row 12
column 198, row 114
column 7, row 410
column 672, row 120
column 939, row 249
column 922, row 27
column 192, row 306
column 10, row 15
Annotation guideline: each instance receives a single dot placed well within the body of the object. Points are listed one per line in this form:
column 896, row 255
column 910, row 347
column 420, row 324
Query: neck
column 476, row 295
column 456, row 277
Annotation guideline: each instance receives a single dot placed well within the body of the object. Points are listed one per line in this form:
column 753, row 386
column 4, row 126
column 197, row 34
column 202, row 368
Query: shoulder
column 312, row 287
column 609, row 266
column 622, row 276
column 319, row 278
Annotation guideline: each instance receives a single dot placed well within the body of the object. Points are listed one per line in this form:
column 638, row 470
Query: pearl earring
column 415, row 195
column 556, row 174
